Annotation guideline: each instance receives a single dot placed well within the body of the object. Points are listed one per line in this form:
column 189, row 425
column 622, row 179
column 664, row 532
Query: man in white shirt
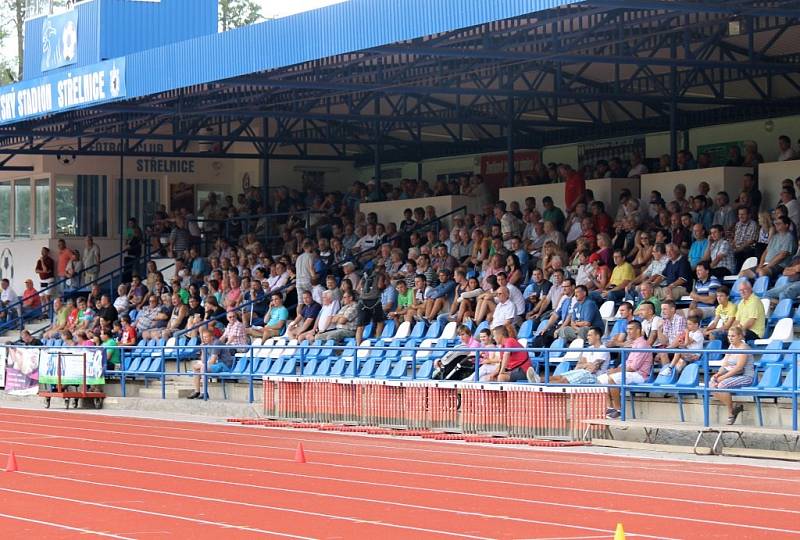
column 651, row 323
column 590, row 365
column 330, row 307
column 8, row 297
column 278, row 278
column 505, row 312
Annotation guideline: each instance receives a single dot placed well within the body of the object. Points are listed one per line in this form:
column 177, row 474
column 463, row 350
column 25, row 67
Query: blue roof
column 341, row 28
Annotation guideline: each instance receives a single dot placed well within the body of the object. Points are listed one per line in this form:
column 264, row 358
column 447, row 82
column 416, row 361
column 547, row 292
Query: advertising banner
column 2, row 367
column 50, row 94
column 72, row 366
column 591, row 153
column 494, row 167
column 720, row 152
column 60, row 40
column 22, row 371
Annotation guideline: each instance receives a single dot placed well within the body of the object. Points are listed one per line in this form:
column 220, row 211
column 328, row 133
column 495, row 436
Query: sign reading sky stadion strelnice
column 88, row 85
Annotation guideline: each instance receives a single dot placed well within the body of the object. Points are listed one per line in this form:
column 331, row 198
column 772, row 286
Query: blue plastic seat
column 482, row 326
column 761, row 285
column 781, row 281
column 770, row 357
column 389, row 328
column 525, row 330
column 781, row 311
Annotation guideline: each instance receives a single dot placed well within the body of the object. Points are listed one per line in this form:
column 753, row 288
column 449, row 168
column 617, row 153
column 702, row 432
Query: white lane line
column 437, row 509
column 615, row 478
column 401, row 447
column 229, row 502
column 573, row 505
column 64, row 498
column 65, row 527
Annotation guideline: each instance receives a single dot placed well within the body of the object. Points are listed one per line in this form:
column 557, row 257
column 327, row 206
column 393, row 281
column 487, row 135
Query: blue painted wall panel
column 114, row 28
column 347, row 27
column 341, row 28
column 130, row 27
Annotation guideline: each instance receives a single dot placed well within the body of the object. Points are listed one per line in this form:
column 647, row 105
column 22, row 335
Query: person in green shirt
column 405, row 298
column 112, row 352
column 553, row 213
column 648, row 295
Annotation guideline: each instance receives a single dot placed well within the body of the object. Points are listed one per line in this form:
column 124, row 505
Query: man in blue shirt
column 560, row 313
column 676, row 278
column 582, row 316
column 439, row 297
column 699, row 244
column 701, row 213
column 274, row 320
column 214, row 358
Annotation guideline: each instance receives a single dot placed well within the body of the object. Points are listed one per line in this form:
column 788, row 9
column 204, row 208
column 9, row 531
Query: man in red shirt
column 574, row 186
column 602, row 221
column 31, row 303
column 128, row 337
column 513, row 366
column 64, row 257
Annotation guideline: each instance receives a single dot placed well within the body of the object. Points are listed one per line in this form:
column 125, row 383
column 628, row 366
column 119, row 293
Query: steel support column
column 265, row 166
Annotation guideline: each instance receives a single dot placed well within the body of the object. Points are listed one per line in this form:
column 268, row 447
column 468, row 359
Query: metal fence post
column 622, row 389
column 793, row 375
column 250, row 378
column 706, row 393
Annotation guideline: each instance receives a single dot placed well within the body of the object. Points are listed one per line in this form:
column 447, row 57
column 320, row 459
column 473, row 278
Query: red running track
column 117, row 477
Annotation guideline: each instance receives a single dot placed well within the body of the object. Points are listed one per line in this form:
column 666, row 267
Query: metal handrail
column 624, row 387
column 401, row 234
column 62, row 281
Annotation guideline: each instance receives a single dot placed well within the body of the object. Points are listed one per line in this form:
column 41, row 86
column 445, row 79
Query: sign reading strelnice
column 89, row 85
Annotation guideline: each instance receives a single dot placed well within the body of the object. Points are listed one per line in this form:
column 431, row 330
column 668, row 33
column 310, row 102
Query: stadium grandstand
column 544, row 221
column 384, row 224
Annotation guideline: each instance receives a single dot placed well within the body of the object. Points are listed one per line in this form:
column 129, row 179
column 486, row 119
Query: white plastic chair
column 168, row 350
column 767, row 306
column 449, row 331
column 402, row 331
column 607, row 310
column 255, row 343
column 574, row 353
column 782, row 332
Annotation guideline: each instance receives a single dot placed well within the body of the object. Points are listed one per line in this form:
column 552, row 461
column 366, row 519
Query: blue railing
column 541, row 359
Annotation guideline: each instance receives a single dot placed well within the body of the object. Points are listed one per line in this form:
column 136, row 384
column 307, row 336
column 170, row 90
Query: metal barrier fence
column 509, row 410
column 472, row 406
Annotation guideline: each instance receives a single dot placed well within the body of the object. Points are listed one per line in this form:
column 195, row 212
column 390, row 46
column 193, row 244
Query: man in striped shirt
column 704, row 293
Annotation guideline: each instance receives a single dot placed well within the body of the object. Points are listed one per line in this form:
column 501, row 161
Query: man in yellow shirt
column 750, row 313
column 621, row 277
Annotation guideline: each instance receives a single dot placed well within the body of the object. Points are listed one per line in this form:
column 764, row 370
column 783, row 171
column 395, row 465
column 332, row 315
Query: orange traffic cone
column 11, row 465
column 299, row 454
column 619, row 534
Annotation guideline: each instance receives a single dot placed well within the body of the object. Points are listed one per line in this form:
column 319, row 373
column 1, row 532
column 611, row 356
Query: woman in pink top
column 447, row 366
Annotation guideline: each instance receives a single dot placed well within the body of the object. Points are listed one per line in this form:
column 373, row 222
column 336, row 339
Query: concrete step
column 172, row 391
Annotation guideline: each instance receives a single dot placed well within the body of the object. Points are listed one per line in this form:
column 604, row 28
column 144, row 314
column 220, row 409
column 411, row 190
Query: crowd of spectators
column 513, row 261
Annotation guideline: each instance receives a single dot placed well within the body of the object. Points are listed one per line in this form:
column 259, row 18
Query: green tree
column 12, row 22
column 236, row 13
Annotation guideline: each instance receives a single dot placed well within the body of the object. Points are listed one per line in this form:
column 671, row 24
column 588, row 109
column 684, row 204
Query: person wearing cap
column 622, row 275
